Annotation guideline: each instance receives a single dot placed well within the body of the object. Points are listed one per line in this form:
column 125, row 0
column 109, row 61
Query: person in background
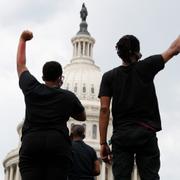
column 85, row 162
column 45, row 152
column 136, row 117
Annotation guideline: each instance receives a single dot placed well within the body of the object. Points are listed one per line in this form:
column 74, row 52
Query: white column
column 79, row 48
column 17, row 174
column 135, row 175
column 138, row 177
column 92, row 50
column 87, row 49
column 110, row 175
column 90, row 46
column 103, row 173
column 74, row 49
column 11, row 173
column 7, row 174
column 83, row 48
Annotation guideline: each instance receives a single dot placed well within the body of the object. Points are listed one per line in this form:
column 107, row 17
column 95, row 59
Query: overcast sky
column 54, row 22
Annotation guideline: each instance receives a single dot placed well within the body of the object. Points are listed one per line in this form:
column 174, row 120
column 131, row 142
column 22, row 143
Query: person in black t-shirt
column 85, row 162
column 136, row 117
column 45, row 152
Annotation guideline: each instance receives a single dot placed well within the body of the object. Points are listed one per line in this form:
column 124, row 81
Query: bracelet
column 104, row 143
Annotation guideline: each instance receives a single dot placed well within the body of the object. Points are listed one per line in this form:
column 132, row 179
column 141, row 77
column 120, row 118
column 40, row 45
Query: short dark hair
column 78, row 131
column 52, row 70
column 126, row 46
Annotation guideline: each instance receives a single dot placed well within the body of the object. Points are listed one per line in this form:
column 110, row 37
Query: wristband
column 104, row 143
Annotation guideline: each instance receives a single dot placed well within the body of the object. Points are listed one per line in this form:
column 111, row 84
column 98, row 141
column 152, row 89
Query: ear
column 139, row 55
column 83, row 136
column 60, row 80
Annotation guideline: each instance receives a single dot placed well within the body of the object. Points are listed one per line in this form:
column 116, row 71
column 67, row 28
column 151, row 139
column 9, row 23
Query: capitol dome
column 82, row 76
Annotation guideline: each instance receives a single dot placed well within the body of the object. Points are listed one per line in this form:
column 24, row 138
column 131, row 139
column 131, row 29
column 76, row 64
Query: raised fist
column 26, row 35
column 178, row 44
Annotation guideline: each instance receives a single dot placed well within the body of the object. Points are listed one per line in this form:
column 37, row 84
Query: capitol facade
column 82, row 76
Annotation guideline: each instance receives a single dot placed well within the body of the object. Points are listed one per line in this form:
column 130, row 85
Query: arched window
column 94, row 131
column 92, row 89
column 84, row 128
column 75, row 88
column 84, row 88
column 67, row 87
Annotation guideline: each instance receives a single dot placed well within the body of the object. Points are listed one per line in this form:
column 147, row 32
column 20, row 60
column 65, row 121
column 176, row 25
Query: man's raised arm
column 173, row 50
column 21, row 52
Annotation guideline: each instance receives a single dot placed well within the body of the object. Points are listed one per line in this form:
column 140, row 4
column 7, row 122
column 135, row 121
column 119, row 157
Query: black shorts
column 44, row 155
column 137, row 144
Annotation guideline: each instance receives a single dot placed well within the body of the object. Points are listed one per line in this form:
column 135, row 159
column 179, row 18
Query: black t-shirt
column 47, row 108
column 133, row 93
column 84, row 157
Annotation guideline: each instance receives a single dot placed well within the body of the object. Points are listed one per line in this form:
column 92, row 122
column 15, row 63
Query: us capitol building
column 82, row 76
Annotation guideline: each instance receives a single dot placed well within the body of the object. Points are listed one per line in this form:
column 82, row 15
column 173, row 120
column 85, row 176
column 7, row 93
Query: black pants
column 44, row 155
column 137, row 144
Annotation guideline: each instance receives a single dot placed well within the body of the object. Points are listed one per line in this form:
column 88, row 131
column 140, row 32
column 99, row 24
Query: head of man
column 77, row 132
column 52, row 72
column 128, row 49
